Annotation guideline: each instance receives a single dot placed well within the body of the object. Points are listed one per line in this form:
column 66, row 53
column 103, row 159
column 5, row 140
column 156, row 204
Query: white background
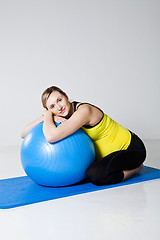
column 105, row 52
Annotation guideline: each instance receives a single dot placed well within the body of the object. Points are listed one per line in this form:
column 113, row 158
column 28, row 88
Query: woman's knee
column 92, row 173
column 98, row 179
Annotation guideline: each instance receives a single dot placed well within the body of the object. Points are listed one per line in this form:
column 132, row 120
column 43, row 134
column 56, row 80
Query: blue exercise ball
column 56, row 164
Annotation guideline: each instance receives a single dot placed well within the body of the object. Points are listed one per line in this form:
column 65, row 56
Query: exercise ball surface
column 56, row 164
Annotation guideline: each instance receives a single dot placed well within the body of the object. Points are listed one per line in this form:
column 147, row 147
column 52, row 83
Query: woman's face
column 58, row 104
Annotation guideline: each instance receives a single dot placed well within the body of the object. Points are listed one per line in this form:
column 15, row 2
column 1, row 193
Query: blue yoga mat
column 20, row 191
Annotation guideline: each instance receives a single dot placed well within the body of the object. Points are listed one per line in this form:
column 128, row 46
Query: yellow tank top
column 108, row 136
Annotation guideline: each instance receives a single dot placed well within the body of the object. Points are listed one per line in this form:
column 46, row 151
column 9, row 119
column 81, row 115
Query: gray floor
column 128, row 212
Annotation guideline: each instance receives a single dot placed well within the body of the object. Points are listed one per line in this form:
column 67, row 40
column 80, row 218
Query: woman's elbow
column 23, row 135
column 50, row 139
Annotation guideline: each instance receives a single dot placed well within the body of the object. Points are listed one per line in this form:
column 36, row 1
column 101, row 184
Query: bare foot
column 129, row 173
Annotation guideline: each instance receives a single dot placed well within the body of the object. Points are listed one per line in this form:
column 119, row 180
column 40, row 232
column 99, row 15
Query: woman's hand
column 59, row 119
column 47, row 114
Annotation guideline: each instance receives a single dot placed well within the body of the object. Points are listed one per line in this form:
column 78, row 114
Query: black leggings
column 109, row 170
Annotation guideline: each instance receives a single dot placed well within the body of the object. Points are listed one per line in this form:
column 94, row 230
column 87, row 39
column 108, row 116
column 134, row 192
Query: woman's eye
column 59, row 99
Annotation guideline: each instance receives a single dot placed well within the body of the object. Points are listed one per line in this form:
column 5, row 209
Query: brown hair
column 47, row 93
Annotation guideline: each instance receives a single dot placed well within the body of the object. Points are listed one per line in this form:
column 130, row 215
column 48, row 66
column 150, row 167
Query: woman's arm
column 29, row 126
column 79, row 118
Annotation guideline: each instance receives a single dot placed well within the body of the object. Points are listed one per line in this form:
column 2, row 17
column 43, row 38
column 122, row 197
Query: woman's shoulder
column 85, row 105
column 95, row 114
column 78, row 104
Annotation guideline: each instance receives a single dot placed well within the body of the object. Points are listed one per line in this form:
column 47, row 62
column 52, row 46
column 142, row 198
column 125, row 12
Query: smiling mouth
column 63, row 110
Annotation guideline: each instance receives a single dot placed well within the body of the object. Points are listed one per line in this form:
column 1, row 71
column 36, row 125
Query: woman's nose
column 58, row 107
